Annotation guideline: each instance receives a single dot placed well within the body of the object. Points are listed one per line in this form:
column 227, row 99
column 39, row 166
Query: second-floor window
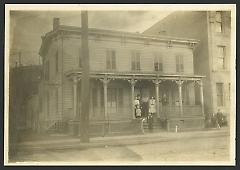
column 158, row 65
column 135, row 60
column 218, row 25
column 111, row 60
column 220, row 57
column 179, row 64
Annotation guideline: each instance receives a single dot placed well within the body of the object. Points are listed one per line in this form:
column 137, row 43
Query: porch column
column 157, row 82
column 105, row 81
column 179, row 83
column 75, row 81
column 201, row 95
column 132, row 82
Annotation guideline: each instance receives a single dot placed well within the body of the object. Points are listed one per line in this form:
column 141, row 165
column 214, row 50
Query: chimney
column 56, row 23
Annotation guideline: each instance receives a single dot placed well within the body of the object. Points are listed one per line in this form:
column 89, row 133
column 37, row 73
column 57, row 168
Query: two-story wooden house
column 122, row 65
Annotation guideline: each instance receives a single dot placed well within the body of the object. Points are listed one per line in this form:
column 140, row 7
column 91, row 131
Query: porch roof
column 135, row 75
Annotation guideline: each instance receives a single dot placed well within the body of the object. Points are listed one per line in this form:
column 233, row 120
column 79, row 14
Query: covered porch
column 179, row 108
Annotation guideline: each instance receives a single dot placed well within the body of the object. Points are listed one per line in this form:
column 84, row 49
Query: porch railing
column 171, row 111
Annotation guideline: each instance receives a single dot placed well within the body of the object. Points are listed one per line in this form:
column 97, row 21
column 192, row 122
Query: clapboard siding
column 71, row 53
column 98, row 48
column 67, row 99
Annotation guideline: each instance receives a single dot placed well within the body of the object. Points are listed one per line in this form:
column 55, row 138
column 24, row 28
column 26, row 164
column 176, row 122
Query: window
column 219, row 88
column 220, row 57
column 135, row 60
column 179, row 64
column 158, row 66
column 56, row 66
column 80, row 58
column 112, row 100
column 111, row 60
column 218, row 21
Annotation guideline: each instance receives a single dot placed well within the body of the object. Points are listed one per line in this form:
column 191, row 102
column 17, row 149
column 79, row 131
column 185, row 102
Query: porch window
column 220, row 57
column 135, row 60
column 112, row 100
column 219, row 89
column 111, row 60
column 179, row 64
column 158, row 65
column 218, row 25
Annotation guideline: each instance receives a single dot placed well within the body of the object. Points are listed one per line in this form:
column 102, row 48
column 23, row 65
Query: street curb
column 114, row 142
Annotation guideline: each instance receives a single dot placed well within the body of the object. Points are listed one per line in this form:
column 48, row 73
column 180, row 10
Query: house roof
column 94, row 31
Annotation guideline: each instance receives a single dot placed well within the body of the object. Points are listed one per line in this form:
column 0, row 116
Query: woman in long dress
column 152, row 106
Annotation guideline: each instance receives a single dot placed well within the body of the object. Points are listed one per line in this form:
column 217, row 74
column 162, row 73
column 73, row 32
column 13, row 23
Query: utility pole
column 85, row 89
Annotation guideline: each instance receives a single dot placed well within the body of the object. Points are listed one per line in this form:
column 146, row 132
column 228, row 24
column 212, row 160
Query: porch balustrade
column 170, row 111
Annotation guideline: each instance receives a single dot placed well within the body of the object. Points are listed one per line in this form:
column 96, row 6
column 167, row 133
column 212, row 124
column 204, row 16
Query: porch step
column 156, row 124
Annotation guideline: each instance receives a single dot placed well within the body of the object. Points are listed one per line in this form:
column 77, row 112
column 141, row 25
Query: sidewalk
column 68, row 142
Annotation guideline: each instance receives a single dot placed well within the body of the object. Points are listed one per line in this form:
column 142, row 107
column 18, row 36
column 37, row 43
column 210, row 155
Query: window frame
column 179, row 64
column 218, row 22
column 221, row 99
column 136, row 61
column 221, row 56
column 158, row 63
column 111, row 59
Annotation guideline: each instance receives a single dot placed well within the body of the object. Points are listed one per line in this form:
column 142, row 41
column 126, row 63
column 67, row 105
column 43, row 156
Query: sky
column 27, row 27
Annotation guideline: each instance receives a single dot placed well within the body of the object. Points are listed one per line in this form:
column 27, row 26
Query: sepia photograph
column 120, row 84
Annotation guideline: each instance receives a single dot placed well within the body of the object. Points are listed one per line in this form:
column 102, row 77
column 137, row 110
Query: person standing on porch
column 138, row 112
column 136, row 105
column 152, row 106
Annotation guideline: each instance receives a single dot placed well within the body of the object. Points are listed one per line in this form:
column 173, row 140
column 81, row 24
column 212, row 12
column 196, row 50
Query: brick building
column 122, row 65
